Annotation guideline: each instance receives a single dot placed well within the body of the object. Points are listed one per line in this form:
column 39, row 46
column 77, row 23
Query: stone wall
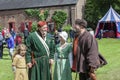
column 80, row 9
column 19, row 16
column 16, row 16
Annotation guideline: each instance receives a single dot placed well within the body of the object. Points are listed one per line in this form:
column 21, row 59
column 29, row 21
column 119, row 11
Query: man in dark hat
column 40, row 53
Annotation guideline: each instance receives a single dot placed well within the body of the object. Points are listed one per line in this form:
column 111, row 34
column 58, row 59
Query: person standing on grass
column 62, row 69
column 10, row 44
column 85, row 52
column 1, row 45
column 40, row 53
column 19, row 64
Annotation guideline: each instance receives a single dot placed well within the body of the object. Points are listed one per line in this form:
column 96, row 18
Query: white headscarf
column 64, row 35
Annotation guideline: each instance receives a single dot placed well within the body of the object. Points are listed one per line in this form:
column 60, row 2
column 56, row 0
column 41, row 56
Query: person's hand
column 51, row 61
column 92, row 76
column 29, row 65
column 13, row 68
column 92, row 73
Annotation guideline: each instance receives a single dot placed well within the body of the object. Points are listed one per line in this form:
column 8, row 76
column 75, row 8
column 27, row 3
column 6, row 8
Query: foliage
column 67, row 28
column 0, row 28
column 32, row 12
column 35, row 13
column 43, row 16
column 59, row 17
column 46, row 14
column 95, row 10
column 34, row 26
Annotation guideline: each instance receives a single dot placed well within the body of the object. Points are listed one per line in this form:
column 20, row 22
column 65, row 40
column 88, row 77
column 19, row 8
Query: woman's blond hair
column 18, row 48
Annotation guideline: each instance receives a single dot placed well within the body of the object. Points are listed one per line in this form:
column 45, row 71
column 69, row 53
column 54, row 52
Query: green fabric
column 51, row 45
column 62, row 69
column 41, row 70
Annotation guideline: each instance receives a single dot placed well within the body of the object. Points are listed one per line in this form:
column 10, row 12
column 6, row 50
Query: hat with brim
column 64, row 35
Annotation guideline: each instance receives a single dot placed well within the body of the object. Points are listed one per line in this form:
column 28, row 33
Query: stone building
column 12, row 11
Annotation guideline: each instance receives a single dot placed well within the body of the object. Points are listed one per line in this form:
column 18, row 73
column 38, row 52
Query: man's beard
column 44, row 34
column 77, row 32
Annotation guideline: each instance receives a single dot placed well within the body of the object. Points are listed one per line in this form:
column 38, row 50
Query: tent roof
column 111, row 15
column 23, row 4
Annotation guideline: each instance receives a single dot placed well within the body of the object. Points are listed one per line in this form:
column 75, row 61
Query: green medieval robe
column 42, row 53
column 62, row 69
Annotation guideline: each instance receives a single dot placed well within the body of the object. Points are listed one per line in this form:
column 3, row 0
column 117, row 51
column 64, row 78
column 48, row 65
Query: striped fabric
column 110, row 16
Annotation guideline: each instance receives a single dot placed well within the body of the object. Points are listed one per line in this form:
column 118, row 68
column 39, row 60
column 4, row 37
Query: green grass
column 109, row 48
column 5, row 67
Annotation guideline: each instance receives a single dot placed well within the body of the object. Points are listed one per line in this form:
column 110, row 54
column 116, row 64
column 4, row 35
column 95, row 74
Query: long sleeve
column 10, row 42
column 15, row 60
column 92, row 54
column 70, row 56
column 28, row 52
column 52, row 49
column 14, row 63
column 70, row 48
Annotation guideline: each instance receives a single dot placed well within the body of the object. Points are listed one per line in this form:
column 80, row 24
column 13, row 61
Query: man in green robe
column 40, row 53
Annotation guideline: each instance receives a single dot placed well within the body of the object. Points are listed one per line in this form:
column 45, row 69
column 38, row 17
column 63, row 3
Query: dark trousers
column 1, row 51
column 84, row 76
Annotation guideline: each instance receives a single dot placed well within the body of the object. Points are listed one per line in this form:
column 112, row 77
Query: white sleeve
column 70, row 59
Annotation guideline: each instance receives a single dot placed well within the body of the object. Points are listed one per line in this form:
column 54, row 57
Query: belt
column 62, row 58
column 21, row 67
column 40, row 56
column 34, row 59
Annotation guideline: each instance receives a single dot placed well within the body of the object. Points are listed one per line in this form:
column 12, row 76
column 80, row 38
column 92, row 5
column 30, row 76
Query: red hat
column 41, row 23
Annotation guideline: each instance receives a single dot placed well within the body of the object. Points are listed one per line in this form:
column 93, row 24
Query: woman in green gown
column 62, row 69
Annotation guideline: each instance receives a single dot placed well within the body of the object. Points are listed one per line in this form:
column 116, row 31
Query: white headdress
column 64, row 35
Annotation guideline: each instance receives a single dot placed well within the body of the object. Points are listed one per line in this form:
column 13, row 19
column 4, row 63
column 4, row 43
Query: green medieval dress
column 62, row 69
column 42, row 53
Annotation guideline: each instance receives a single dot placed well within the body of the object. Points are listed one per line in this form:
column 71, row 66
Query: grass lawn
column 109, row 48
column 5, row 67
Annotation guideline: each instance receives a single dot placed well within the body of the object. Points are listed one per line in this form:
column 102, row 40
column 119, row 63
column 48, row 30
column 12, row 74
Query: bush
column 32, row 12
column 67, row 28
column 59, row 17
column 35, row 13
column 34, row 26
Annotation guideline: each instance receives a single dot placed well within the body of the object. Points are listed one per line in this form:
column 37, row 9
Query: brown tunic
column 87, row 53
